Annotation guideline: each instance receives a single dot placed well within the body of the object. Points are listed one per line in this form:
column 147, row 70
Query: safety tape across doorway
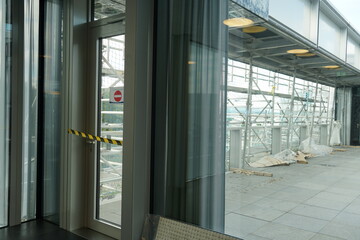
column 95, row 138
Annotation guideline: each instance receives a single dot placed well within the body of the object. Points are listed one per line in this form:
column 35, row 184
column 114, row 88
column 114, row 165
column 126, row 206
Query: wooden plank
column 249, row 172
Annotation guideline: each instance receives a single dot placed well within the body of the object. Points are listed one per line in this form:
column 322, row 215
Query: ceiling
column 268, row 49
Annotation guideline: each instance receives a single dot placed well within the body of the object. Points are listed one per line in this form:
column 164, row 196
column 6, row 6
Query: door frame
column 137, row 135
column 97, row 30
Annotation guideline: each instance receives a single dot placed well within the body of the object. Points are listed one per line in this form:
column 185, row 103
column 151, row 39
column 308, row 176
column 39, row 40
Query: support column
column 323, row 134
column 235, row 148
column 290, row 117
column 275, row 140
column 303, row 133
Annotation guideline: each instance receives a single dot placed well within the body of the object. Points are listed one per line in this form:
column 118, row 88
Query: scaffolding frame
column 263, row 104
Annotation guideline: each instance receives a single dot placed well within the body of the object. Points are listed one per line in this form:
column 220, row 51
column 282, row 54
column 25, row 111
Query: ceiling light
column 297, row 51
column 254, row 29
column 191, row 62
column 331, row 67
column 309, row 54
column 238, row 22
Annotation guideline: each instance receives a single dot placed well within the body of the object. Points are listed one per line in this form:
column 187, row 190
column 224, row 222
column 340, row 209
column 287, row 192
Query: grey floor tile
column 354, row 207
column 325, row 237
column 282, row 232
column 255, row 237
column 302, row 222
column 277, row 204
column 240, row 226
column 315, row 212
column 344, row 192
column 263, row 213
column 341, row 231
column 347, row 218
column 327, row 203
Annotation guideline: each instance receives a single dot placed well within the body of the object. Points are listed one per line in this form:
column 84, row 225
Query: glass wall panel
column 191, row 80
column 329, row 35
column 30, row 110
column 52, row 68
column 107, row 8
column 111, row 111
column 295, row 14
column 5, row 44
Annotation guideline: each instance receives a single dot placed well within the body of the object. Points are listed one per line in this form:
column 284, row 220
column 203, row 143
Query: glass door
column 107, row 61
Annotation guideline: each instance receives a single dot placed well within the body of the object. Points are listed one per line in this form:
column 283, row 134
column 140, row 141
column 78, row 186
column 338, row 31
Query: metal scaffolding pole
column 248, row 115
column 291, row 111
column 314, row 109
column 273, row 101
column 332, row 115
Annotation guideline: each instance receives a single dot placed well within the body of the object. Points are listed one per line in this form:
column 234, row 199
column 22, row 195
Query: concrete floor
column 317, row 201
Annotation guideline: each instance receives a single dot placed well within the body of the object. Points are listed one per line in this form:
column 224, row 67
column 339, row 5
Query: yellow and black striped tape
column 95, row 138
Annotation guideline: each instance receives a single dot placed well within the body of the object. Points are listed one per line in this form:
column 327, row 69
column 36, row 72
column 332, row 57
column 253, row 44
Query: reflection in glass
column 107, row 8
column 51, row 111
column 30, row 102
column 111, row 109
column 5, row 43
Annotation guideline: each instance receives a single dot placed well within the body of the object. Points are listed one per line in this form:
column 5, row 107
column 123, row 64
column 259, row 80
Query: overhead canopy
column 268, row 46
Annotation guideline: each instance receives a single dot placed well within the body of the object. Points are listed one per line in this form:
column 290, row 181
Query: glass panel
column 190, row 119
column 329, row 35
column 295, row 14
column 351, row 50
column 30, row 103
column 111, row 109
column 5, row 44
column 107, row 8
column 51, row 112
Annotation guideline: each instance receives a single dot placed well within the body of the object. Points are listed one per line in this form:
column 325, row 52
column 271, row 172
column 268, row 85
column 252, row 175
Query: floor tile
column 341, row 231
column 258, row 212
column 315, row 212
column 282, row 232
column 240, row 226
column 301, row 222
column 325, row 237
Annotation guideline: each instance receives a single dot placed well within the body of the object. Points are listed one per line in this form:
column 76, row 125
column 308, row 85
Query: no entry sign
column 117, row 95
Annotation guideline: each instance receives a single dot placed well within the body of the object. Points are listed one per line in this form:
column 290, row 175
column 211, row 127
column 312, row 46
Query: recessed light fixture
column 238, row 22
column 254, row 29
column 309, row 54
column 297, row 51
column 191, row 62
column 331, row 67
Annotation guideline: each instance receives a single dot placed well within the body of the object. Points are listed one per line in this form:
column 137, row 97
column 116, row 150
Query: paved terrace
column 317, row 201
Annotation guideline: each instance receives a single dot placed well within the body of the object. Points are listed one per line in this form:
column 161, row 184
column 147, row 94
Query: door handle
column 88, row 141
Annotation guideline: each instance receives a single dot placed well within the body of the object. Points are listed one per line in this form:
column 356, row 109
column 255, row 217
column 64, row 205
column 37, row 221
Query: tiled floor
column 37, row 230
column 316, row 201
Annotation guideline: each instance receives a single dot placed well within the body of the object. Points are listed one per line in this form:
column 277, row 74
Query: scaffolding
column 269, row 112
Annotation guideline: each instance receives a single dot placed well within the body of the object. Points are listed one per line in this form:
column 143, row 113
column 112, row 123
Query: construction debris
column 309, row 146
column 339, row 150
column 284, row 158
column 300, row 158
column 249, row 172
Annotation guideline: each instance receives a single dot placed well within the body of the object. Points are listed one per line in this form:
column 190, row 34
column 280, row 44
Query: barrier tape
column 95, row 138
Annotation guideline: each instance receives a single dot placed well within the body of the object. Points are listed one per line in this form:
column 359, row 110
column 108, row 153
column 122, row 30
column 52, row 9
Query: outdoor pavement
column 315, row 201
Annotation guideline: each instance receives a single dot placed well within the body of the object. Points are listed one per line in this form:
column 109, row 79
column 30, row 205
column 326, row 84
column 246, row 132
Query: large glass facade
column 50, row 95
column 30, row 109
column 5, row 44
column 190, row 113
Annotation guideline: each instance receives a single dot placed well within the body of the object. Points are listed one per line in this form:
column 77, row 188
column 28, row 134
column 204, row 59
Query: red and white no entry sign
column 117, row 96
